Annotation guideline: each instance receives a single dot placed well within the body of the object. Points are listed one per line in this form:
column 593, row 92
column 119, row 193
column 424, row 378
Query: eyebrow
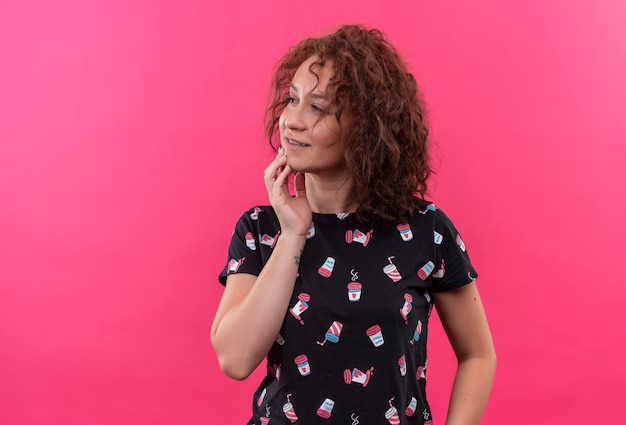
column 316, row 95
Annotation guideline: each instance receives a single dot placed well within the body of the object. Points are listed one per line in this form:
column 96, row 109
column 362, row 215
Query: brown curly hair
column 387, row 139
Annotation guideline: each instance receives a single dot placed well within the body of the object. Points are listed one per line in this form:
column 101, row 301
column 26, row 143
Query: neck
column 330, row 196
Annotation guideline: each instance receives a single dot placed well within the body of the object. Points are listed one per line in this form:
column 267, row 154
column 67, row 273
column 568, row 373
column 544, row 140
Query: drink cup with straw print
column 392, row 414
column 333, row 333
column 289, row 411
column 391, row 270
column 417, row 332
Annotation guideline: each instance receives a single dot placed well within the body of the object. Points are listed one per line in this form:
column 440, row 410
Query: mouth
column 294, row 142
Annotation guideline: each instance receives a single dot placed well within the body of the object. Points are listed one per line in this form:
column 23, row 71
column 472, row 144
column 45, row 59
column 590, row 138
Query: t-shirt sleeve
column 244, row 251
column 453, row 266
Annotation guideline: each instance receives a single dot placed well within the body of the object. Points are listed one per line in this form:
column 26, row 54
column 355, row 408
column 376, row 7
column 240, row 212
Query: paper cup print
column 405, row 231
column 357, row 376
column 410, row 409
column 358, row 236
column 327, row 268
column 425, row 271
column 376, row 335
column 302, row 362
column 460, row 243
column 325, row 410
column 268, row 240
column 289, row 411
column 255, row 214
column 354, row 291
column 300, row 307
column 407, row 307
column 250, row 241
column 311, row 232
column 438, row 238
column 391, row 271
column 402, row 365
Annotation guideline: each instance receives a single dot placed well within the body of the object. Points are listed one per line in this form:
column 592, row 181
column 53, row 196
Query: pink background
column 130, row 142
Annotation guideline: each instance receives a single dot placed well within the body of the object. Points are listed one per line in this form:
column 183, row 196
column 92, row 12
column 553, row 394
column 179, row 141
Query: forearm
column 470, row 392
column 246, row 332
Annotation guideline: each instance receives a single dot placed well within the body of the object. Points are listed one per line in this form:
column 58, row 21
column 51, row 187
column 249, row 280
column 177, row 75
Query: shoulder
column 260, row 218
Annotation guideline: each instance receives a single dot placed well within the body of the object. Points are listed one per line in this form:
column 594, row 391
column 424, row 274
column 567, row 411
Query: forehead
column 307, row 77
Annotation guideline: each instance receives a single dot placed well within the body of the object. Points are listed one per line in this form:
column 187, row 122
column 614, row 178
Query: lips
column 294, row 142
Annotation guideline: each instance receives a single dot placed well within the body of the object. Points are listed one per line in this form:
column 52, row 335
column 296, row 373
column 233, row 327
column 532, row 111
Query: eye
column 291, row 99
column 317, row 108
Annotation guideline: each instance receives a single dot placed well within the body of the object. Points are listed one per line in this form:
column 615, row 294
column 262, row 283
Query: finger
column 270, row 173
column 281, row 183
column 299, row 186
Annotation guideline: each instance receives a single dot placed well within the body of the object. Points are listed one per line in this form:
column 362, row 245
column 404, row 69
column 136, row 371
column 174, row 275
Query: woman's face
column 309, row 131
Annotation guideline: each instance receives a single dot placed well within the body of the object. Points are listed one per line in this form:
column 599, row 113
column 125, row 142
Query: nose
column 293, row 116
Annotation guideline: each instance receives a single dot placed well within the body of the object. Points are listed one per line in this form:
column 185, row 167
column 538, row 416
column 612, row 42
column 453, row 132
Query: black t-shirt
column 352, row 347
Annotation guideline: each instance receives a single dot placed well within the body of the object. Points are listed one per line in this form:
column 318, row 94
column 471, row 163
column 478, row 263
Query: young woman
column 334, row 284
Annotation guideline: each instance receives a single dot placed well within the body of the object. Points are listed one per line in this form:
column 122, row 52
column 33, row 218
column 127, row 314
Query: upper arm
column 463, row 317
column 237, row 288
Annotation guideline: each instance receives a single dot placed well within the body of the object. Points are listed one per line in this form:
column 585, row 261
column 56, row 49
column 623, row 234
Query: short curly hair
column 386, row 142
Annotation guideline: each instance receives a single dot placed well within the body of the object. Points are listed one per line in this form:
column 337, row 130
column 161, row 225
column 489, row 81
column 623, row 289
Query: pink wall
column 130, row 141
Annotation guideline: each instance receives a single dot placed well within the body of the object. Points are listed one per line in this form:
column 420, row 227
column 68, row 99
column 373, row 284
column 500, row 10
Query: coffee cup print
column 407, row 307
column 326, row 409
column 268, row 240
column 254, row 215
column 327, row 268
column 302, row 362
column 402, row 365
column 289, row 411
column 233, row 265
column 333, row 333
column 354, row 291
column 376, row 335
column 392, row 415
column 405, row 231
column 460, row 243
column 250, row 241
column 410, row 409
column 391, row 271
column 358, row 236
column 300, row 307
column 425, row 271
column 311, row 232
column 358, row 376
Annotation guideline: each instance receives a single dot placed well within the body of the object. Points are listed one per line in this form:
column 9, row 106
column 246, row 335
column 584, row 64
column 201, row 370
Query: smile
column 295, row 143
